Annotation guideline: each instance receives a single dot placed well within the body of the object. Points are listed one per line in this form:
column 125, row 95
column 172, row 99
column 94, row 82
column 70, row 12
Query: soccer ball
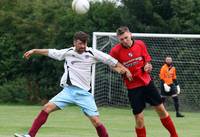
column 80, row 6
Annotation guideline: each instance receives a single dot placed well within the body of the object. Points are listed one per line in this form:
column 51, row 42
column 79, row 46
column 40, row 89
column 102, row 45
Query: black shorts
column 138, row 97
column 173, row 90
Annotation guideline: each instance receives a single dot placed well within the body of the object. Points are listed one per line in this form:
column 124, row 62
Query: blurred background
column 27, row 24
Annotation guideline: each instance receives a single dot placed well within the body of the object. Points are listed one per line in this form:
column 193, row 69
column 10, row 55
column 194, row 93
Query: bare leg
column 140, row 128
column 101, row 130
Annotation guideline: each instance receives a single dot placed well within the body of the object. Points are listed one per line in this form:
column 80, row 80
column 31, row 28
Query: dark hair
column 122, row 29
column 82, row 36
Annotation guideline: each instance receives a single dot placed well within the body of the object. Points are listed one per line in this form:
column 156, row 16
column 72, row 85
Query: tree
column 163, row 16
column 44, row 24
column 186, row 17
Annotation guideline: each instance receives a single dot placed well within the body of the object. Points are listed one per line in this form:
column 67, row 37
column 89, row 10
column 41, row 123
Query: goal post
column 108, row 87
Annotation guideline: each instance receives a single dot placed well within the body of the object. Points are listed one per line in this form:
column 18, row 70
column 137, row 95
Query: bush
column 14, row 91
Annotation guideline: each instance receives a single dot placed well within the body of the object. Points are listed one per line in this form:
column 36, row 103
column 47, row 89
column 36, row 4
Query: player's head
column 124, row 36
column 168, row 60
column 80, row 41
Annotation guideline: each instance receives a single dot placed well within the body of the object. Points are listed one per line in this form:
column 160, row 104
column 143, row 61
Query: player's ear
column 74, row 42
column 132, row 38
column 86, row 43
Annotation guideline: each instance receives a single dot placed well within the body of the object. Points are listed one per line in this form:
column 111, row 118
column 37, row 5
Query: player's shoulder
column 116, row 47
column 67, row 49
column 139, row 42
column 173, row 67
column 91, row 51
column 164, row 66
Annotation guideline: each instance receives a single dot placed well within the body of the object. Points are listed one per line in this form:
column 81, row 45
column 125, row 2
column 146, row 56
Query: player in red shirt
column 134, row 55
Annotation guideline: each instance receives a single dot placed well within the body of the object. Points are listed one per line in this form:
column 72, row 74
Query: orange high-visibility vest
column 167, row 74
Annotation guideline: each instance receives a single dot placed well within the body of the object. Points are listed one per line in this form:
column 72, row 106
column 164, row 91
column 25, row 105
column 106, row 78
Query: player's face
column 80, row 46
column 125, row 39
column 168, row 60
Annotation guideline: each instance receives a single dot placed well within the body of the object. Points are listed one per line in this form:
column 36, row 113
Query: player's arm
column 147, row 58
column 119, row 68
column 174, row 77
column 162, row 78
column 148, row 67
column 176, row 82
column 31, row 52
column 162, row 74
column 113, row 63
column 177, row 86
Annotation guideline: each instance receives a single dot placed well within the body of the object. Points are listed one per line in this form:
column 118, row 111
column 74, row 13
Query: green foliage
column 9, row 58
column 72, row 123
column 44, row 24
column 14, row 91
column 186, row 17
column 27, row 24
column 163, row 16
column 146, row 16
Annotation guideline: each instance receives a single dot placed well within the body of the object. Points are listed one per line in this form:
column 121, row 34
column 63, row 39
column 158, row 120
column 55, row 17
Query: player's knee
column 95, row 121
column 49, row 107
column 160, row 109
column 139, row 120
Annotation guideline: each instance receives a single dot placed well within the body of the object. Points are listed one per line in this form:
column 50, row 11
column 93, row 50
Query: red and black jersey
column 134, row 58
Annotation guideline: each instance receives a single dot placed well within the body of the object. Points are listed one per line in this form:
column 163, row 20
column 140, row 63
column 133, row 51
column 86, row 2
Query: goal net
column 108, row 87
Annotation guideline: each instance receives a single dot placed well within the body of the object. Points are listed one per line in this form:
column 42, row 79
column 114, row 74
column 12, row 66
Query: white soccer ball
column 80, row 6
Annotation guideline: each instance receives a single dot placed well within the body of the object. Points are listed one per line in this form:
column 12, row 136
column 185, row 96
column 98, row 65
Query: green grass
column 72, row 123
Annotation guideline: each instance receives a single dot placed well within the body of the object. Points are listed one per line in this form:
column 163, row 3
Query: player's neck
column 128, row 45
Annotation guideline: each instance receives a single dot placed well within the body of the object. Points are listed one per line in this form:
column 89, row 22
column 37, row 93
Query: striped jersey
column 78, row 67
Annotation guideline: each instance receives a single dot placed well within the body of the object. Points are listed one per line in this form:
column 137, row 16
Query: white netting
column 185, row 51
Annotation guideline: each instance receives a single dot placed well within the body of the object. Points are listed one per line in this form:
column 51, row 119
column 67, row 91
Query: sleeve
column 174, row 77
column 162, row 75
column 57, row 54
column 175, row 82
column 113, row 53
column 104, row 58
column 145, row 53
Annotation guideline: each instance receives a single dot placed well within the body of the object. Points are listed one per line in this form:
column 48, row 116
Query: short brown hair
column 82, row 36
column 122, row 29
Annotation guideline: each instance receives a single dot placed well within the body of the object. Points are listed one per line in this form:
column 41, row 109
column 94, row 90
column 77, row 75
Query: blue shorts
column 78, row 96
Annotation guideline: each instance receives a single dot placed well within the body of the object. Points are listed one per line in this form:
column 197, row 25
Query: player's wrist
column 33, row 51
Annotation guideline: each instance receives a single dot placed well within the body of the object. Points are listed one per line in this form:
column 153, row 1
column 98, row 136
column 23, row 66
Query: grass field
column 72, row 123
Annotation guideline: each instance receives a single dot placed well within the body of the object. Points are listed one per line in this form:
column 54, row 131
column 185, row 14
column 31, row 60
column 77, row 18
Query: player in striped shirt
column 76, row 81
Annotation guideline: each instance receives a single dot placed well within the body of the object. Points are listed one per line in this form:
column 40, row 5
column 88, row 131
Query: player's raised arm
column 29, row 53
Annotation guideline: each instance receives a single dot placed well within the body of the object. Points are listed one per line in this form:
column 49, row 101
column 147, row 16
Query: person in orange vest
column 169, row 84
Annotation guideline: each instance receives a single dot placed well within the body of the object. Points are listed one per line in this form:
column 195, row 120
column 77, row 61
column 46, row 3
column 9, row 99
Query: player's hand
column 178, row 89
column 28, row 54
column 148, row 68
column 129, row 75
column 167, row 88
